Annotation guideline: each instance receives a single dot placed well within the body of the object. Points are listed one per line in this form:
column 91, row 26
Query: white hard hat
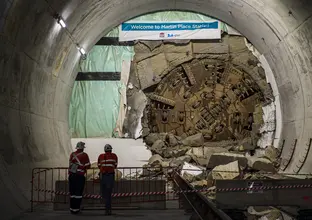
column 108, row 147
column 80, row 145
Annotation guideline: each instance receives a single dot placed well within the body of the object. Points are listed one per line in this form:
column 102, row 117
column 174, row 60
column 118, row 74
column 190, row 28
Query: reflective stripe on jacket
column 80, row 158
column 107, row 162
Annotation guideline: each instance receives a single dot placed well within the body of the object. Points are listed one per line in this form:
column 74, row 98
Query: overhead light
column 82, row 51
column 62, row 22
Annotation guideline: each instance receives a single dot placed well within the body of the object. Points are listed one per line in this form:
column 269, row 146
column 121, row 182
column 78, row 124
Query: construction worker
column 78, row 164
column 107, row 163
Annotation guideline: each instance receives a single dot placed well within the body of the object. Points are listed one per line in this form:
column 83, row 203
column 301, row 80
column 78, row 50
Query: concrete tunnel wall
column 38, row 67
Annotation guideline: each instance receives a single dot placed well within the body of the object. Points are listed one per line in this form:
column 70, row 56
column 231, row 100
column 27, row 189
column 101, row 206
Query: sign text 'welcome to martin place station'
column 167, row 30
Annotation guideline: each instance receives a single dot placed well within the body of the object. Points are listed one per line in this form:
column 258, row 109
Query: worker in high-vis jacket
column 78, row 164
column 107, row 163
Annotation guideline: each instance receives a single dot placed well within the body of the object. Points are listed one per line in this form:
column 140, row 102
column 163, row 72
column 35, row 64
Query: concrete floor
column 118, row 214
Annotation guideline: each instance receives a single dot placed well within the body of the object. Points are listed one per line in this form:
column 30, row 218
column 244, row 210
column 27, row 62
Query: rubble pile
column 198, row 111
column 204, row 162
column 233, row 156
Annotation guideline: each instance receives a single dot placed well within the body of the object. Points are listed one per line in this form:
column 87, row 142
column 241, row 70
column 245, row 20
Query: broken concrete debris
column 156, row 159
column 172, row 140
column 196, row 140
column 199, row 184
column 153, row 137
column 261, row 164
column 158, row 147
column 202, row 164
column 203, row 111
column 228, row 171
column 173, row 151
column 225, row 158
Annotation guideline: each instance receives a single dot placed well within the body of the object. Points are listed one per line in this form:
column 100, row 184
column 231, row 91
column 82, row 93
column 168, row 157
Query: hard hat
column 108, row 147
column 80, row 145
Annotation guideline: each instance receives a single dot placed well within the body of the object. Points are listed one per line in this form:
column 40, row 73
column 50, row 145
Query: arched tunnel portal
column 38, row 66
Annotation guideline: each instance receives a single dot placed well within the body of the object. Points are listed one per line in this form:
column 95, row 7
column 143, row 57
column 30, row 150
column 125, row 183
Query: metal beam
column 98, row 76
column 113, row 41
column 202, row 206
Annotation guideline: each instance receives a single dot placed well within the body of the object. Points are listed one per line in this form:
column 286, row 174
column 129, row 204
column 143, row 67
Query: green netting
column 94, row 105
column 106, row 58
column 169, row 16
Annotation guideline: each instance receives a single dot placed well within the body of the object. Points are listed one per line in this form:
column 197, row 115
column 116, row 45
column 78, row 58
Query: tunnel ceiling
column 38, row 68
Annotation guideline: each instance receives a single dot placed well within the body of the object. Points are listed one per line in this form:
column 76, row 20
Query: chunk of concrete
column 176, row 152
column 271, row 153
column 152, row 44
column 172, row 140
column 155, row 160
column 261, row 164
column 200, row 161
column 229, row 171
column 151, row 70
column 252, row 211
column 201, row 155
column 224, row 158
column 195, row 152
column 147, row 171
column 273, row 215
column 185, row 158
column 208, row 151
column 200, row 184
column 204, row 48
column 181, row 49
column 196, row 140
column 176, row 163
column 179, row 152
column 188, row 177
column 158, row 147
column 165, row 164
column 167, row 153
column 153, row 137
column 246, row 146
column 192, row 169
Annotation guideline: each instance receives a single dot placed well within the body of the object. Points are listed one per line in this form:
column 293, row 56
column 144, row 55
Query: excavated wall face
column 214, row 88
column 38, row 62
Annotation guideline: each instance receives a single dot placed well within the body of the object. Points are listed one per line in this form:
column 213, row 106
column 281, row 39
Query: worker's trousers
column 107, row 185
column 76, row 186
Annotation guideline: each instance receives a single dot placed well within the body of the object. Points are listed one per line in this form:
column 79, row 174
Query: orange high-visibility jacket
column 107, row 162
column 81, row 159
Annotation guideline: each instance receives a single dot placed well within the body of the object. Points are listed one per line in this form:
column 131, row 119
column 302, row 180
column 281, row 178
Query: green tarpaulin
column 94, row 105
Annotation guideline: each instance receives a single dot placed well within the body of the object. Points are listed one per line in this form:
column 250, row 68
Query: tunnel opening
column 212, row 91
column 224, row 58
